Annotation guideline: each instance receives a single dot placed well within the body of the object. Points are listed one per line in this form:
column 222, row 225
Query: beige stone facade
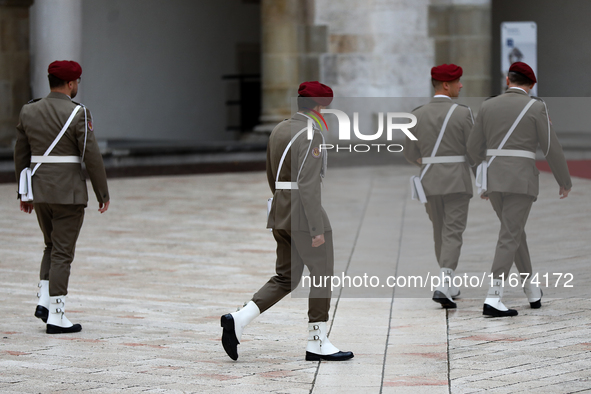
column 14, row 65
column 371, row 48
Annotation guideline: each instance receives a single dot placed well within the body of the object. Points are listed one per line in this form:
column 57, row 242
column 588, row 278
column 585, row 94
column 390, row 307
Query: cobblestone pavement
column 153, row 275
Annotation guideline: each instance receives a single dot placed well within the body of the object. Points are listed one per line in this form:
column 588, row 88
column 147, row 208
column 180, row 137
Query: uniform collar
column 300, row 117
column 517, row 90
column 441, row 99
column 58, row 95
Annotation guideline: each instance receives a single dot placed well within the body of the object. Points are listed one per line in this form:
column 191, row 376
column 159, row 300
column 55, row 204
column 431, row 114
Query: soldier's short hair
column 55, row 82
column 519, row 79
column 306, row 103
column 436, row 84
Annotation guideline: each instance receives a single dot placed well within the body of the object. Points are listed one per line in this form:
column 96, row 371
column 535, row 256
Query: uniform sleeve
column 309, row 182
column 411, row 148
column 555, row 156
column 22, row 149
column 92, row 157
column 467, row 125
column 270, row 177
column 476, row 147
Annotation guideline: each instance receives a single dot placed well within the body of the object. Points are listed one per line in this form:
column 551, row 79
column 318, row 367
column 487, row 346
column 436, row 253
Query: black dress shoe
column 51, row 329
column 443, row 300
column 229, row 340
column 42, row 313
column 537, row 304
column 488, row 310
column 339, row 356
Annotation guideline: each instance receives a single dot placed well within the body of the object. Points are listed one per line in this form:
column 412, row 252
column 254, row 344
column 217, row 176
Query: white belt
column 55, row 159
column 286, row 185
column 511, row 153
column 443, row 159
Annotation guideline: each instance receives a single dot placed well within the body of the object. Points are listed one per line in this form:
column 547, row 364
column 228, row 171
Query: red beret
column 523, row 69
column 65, row 70
column 446, row 72
column 317, row 91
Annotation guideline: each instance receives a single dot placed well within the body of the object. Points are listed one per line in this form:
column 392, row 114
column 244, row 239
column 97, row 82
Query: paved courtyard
column 153, row 275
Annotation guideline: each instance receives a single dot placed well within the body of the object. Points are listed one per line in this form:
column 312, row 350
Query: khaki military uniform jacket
column 59, row 183
column 301, row 209
column 516, row 174
column 441, row 178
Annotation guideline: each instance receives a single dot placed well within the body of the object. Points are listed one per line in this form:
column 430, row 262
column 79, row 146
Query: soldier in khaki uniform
column 507, row 131
column 445, row 173
column 295, row 167
column 58, row 183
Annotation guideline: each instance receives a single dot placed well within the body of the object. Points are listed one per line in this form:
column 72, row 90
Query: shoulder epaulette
column 34, row 101
column 488, row 98
column 420, row 106
column 80, row 104
column 538, row 98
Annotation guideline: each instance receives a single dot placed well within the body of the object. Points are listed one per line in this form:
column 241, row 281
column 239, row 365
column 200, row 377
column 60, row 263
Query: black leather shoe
column 443, row 300
column 339, row 356
column 42, row 313
column 488, row 310
column 229, row 340
column 537, row 304
column 51, row 329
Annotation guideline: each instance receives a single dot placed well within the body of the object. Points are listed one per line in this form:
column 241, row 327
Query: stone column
column 14, row 65
column 56, row 34
column 280, row 58
column 462, row 33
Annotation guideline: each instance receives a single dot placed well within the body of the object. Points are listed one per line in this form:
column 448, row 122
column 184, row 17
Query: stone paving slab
column 153, row 275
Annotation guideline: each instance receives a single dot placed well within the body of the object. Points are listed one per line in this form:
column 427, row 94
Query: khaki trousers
column 449, row 214
column 294, row 250
column 512, row 210
column 60, row 224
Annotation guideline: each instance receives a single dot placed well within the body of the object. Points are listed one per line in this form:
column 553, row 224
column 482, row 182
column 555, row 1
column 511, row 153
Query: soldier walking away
column 503, row 142
column 442, row 132
column 295, row 167
column 54, row 136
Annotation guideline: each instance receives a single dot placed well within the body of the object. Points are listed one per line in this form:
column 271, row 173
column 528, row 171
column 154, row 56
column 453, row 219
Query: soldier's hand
column 563, row 192
column 103, row 207
column 484, row 197
column 26, row 207
column 317, row 240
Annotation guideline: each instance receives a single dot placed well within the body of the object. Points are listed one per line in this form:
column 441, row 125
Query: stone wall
column 14, row 65
column 376, row 47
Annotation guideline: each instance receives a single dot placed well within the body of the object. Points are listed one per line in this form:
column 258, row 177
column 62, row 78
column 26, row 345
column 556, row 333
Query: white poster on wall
column 519, row 43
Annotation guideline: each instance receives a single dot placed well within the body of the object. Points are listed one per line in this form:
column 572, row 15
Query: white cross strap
column 417, row 190
column 25, row 181
column 439, row 137
column 482, row 169
column 59, row 136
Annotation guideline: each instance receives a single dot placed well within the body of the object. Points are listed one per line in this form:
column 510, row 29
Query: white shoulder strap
column 440, row 137
column 85, row 134
column 59, row 136
column 287, row 150
column 548, row 118
column 521, row 115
